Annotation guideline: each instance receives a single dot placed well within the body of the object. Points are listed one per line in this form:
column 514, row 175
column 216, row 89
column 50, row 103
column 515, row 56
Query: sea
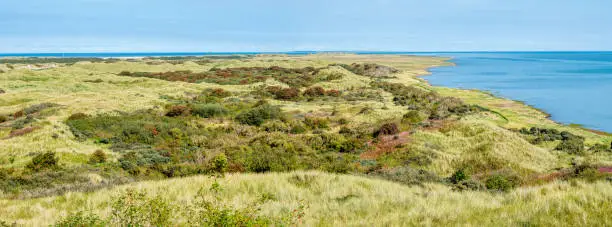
column 573, row 87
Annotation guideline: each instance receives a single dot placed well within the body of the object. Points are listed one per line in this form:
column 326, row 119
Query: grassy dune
column 333, row 200
column 485, row 141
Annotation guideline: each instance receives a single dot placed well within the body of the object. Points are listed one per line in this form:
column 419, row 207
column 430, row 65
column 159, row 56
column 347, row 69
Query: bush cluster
column 370, row 70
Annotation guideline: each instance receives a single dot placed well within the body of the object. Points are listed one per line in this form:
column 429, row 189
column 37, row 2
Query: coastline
column 491, row 94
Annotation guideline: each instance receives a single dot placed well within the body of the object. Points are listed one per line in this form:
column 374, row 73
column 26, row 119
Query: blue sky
column 289, row 25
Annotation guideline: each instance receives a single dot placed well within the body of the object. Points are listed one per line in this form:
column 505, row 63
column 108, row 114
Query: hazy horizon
column 87, row 26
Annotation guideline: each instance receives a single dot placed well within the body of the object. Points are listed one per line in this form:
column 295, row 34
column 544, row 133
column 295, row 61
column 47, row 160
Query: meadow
column 314, row 140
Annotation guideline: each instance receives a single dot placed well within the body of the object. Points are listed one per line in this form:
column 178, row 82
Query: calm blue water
column 574, row 87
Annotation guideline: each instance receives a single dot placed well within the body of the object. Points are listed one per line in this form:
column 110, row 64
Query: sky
column 35, row 26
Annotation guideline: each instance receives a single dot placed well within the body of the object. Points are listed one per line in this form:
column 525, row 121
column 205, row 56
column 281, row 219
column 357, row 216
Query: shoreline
column 489, row 93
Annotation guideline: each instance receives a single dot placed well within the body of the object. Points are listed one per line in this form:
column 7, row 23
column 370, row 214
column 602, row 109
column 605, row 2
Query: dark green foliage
column 97, row 157
column 81, row 219
column 209, row 110
column 571, row 144
column 502, row 181
column 407, row 175
column 370, row 70
column 2, row 91
column 257, row 115
column 3, row 118
column 43, row 161
column 386, row 129
column 459, row 176
column 541, row 134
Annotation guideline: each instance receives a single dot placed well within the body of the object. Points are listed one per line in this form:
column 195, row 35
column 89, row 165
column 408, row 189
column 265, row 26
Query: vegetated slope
column 87, row 126
column 332, row 200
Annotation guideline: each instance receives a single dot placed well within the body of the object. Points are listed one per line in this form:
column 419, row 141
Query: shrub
column 387, row 129
column 77, row 116
column 283, row 93
column 2, row 91
column 94, row 81
column 458, row 176
column 275, row 126
column 257, row 115
column 571, row 145
column 134, row 208
column 38, row 107
column 80, row 219
column 3, row 118
column 43, row 161
column 209, row 110
column 178, row 110
column 502, row 182
column 218, row 92
column 413, row 117
column 600, row 148
column 97, row 157
column 22, row 131
column 316, row 122
column 469, row 185
column 314, row 92
column 407, row 175
column 220, row 163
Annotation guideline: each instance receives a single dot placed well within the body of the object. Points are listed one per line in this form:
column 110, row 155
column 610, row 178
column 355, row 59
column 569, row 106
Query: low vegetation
column 281, row 140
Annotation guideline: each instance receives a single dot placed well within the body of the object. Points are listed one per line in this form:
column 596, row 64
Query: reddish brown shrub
column 21, row 132
column 178, row 110
column 387, row 129
column 314, row 92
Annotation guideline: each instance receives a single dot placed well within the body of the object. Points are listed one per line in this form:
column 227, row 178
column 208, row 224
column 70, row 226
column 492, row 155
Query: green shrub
column 209, row 110
column 3, row 118
column 275, row 126
column 220, row 163
column 458, row 176
column 413, row 117
column 257, row 115
column 595, row 148
column 81, row 219
column 97, row 157
column 2, row 91
column 43, row 161
column 572, row 145
column 502, row 182
column 316, row 122
column 22, row 123
column 135, row 208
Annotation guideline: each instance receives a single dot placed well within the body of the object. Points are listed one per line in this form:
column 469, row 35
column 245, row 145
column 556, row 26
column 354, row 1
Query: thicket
column 370, row 70
column 294, row 77
column 436, row 107
column 570, row 143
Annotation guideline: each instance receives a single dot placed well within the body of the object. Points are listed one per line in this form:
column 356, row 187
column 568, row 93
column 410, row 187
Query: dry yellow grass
column 334, row 200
